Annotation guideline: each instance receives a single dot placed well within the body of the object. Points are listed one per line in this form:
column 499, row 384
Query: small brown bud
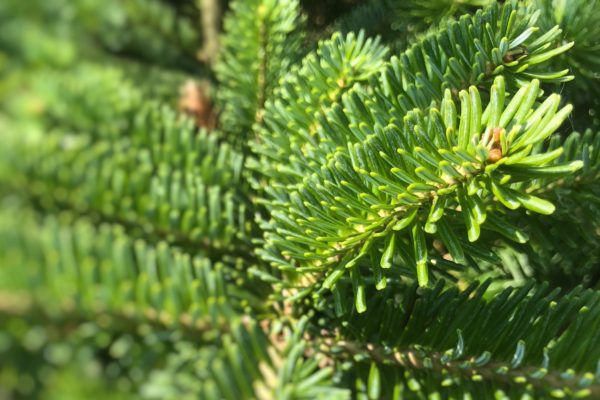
column 495, row 155
column 195, row 103
column 496, row 145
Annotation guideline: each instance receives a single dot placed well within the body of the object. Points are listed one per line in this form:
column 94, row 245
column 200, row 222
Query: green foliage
column 580, row 23
column 160, row 32
column 138, row 164
column 93, row 273
column 54, row 32
column 529, row 340
column 328, row 238
column 390, row 174
column 564, row 247
column 419, row 15
column 103, row 268
column 374, row 17
column 270, row 38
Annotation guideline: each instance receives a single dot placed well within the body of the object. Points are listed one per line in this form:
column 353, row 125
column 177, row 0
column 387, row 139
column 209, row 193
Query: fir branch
column 48, row 199
column 579, row 22
column 123, row 174
column 440, row 178
column 441, row 334
column 127, row 319
column 146, row 30
column 105, row 268
column 337, row 193
column 228, row 364
column 563, row 247
column 556, row 383
column 262, row 38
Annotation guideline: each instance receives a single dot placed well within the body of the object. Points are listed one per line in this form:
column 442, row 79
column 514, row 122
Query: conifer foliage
column 403, row 204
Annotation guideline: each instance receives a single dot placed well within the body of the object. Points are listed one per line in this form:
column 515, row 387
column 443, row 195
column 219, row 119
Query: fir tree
column 364, row 199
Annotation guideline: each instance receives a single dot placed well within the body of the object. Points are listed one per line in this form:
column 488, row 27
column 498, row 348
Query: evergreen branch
column 293, row 371
column 45, row 198
column 226, row 366
column 151, row 170
column 500, row 340
column 532, row 379
column 99, row 101
column 261, row 41
column 580, row 24
column 386, row 186
column 506, row 41
column 324, row 76
column 563, row 247
column 103, row 268
column 419, row 76
column 149, row 31
column 245, row 359
column 65, row 316
column 146, row 30
column 240, row 362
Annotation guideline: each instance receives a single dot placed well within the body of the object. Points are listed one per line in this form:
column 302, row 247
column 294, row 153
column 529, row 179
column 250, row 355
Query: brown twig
column 210, row 18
